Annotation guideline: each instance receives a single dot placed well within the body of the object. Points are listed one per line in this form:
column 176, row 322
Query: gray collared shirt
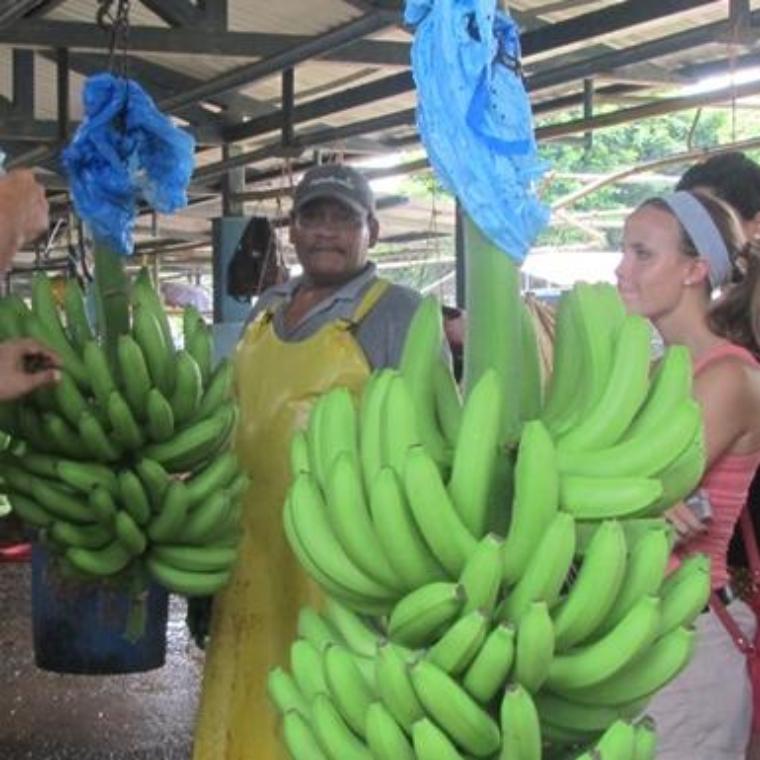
column 380, row 334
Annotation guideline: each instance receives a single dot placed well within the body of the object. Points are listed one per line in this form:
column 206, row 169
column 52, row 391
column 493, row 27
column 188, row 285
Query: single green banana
column 191, row 319
column 316, row 629
column 193, row 445
column 449, row 705
column 87, row 536
column 671, row 384
column 535, row 500
column 185, row 582
column 29, row 510
column 481, row 576
column 99, row 372
column 434, row 513
column 685, row 593
column 126, row 429
column 62, row 437
column 59, row 502
column 421, row 616
column 590, row 498
column 420, row 355
column 147, row 295
column 306, row 666
column 107, row 560
column 644, row 675
column 535, row 647
column 30, row 428
column 357, row 632
column 196, row 559
column 337, row 434
column 200, row 346
column 492, row 664
column 349, row 518
column 385, row 738
column 399, row 430
column 588, row 603
column 69, row 400
column 159, row 355
column 313, row 440
column 531, row 384
column 134, row 497
column 218, row 391
column 172, row 514
column 44, row 465
column 155, row 479
column 476, row 454
column 641, row 455
column 572, row 716
column 448, row 402
column 618, row 741
column 432, row 743
column 520, row 729
column 204, row 518
column 334, row 736
column 78, row 325
column 624, row 392
column 135, row 377
column 403, row 545
column 317, row 536
column 394, row 686
column 607, row 655
column 188, row 388
column 84, row 476
column 645, row 571
column 371, row 425
column 44, row 324
column 217, row 474
column 456, row 648
column 129, row 533
column 546, row 571
column 347, row 687
column 300, row 739
column 285, row 694
column 160, row 416
column 102, row 505
column 645, row 740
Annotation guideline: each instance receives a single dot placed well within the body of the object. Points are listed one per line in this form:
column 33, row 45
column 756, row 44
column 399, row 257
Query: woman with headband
column 688, row 268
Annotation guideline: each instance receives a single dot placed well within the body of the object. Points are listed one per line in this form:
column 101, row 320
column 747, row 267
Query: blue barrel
column 81, row 628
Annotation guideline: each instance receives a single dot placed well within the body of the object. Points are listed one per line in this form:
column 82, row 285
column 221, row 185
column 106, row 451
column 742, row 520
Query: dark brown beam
column 215, row 13
column 12, row 10
column 175, row 12
column 23, row 82
column 63, row 90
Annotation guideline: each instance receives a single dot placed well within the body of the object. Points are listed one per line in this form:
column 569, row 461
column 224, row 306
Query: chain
column 116, row 23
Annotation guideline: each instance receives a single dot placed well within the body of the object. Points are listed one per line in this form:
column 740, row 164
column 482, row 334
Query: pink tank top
column 727, row 483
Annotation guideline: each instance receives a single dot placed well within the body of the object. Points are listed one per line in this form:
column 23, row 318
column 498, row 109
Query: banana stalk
column 112, row 298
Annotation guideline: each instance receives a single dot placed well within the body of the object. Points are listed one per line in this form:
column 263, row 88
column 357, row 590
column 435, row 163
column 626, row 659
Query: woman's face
column 654, row 273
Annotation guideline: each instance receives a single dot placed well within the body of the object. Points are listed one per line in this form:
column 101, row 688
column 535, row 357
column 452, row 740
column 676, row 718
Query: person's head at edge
column 677, row 250
column 333, row 224
column 733, row 177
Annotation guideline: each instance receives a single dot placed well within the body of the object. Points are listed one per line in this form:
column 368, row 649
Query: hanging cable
column 116, row 23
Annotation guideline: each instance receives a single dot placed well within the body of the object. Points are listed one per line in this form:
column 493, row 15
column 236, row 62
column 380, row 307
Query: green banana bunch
column 124, row 466
column 445, row 636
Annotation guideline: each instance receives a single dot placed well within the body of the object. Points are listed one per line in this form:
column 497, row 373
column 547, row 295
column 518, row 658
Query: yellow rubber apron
column 254, row 618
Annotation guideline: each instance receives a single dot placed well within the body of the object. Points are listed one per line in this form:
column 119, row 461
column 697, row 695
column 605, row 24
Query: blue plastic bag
column 474, row 116
column 125, row 151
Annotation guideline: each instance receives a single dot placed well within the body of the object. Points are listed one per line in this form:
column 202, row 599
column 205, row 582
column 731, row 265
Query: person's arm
column 723, row 392
column 23, row 212
column 25, row 365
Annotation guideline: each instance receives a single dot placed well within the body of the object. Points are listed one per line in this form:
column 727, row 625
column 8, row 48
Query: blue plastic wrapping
column 125, row 151
column 474, row 116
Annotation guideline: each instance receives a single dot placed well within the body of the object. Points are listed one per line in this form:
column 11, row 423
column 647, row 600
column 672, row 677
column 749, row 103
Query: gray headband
column 705, row 235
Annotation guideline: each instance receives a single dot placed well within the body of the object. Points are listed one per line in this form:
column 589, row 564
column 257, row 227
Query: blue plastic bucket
column 81, row 628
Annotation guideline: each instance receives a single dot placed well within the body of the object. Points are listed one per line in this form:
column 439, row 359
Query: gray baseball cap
column 337, row 181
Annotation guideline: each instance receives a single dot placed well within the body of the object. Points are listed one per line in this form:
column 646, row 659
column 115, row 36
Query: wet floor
column 45, row 716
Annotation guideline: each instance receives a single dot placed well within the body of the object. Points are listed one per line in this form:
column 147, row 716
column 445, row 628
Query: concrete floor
column 45, row 716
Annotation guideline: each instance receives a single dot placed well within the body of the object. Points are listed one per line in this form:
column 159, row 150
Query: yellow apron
column 254, row 617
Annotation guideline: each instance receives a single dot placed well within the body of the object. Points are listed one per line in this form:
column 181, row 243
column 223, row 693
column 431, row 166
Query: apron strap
column 368, row 302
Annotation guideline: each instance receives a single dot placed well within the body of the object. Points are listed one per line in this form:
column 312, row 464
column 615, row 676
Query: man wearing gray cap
column 329, row 327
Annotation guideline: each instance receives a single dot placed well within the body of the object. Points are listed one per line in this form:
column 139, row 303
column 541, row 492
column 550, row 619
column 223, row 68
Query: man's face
column 331, row 240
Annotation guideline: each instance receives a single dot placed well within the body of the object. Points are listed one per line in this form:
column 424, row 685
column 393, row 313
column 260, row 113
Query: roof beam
column 23, row 81
column 215, row 13
column 13, row 10
column 175, row 12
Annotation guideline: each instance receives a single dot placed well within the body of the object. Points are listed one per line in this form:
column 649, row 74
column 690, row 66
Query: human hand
column 18, row 373
column 24, row 212
column 687, row 525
